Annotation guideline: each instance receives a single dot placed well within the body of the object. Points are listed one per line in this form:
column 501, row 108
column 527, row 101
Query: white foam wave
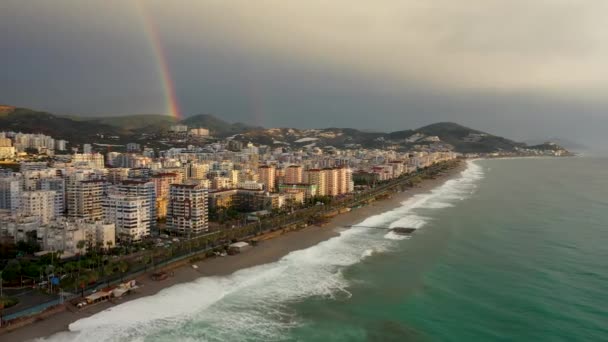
column 254, row 303
column 394, row 236
column 367, row 253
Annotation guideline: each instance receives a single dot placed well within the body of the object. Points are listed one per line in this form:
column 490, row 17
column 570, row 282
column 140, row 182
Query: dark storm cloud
column 518, row 68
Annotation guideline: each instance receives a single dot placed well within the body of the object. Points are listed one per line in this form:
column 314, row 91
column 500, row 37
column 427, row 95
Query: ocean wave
column 254, row 303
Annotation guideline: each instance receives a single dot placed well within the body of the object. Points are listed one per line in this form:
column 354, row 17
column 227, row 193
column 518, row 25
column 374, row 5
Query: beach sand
column 266, row 251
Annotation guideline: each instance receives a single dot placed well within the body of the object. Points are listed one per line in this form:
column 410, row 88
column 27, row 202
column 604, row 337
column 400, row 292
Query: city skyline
column 405, row 64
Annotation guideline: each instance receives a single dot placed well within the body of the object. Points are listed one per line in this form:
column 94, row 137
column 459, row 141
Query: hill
column 137, row 127
column 135, row 123
column 31, row 121
column 443, row 134
column 217, row 126
column 466, row 140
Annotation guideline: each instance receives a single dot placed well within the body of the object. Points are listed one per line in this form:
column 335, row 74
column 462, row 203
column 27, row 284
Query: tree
column 12, row 271
column 69, row 268
column 123, row 267
column 31, row 270
column 80, row 245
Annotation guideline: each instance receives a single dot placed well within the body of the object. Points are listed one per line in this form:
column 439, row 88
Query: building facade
column 85, row 199
column 187, row 213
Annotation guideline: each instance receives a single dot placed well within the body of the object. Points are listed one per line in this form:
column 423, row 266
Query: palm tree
column 109, row 244
column 123, row 267
column 69, row 268
column 80, row 245
column 108, row 270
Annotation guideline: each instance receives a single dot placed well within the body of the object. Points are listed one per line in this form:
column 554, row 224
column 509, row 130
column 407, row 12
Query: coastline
column 267, row 251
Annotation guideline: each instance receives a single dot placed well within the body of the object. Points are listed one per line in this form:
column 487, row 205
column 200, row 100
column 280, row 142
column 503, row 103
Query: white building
column 130, row 214
column 251, row 185
column 64, row 234
column 10, row 192
column 88, row 160
column 145, row 189
column 40, row 204
column 58, row 186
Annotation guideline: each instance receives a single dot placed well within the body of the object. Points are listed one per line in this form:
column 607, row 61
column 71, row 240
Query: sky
column 519, row 68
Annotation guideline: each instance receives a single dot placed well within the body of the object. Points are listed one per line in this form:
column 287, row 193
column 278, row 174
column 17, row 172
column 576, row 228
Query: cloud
column 553, row 46
column 521, row 68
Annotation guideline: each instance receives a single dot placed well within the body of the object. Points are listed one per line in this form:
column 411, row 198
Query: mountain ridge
column 126, row 128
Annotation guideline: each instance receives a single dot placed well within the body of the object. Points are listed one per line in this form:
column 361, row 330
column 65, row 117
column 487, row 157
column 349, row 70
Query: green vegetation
column 7, row 302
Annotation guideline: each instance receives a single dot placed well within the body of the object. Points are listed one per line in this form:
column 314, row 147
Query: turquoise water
column 525, row 258
column 512, row 250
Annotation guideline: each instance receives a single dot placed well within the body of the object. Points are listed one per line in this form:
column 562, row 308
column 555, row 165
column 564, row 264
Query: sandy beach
column 266, row 251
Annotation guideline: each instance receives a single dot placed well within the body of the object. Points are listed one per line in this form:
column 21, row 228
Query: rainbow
column 171, row 101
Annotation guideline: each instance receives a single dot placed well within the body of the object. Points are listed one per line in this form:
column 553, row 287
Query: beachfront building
column 187, row 213
column 316, row 177
column 130, row 214
column 332, row 187
column 144, row 189
column 64, row 234
column 162, row 182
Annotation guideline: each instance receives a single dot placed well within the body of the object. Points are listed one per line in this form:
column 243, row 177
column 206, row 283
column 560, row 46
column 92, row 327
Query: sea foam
column 254, row 303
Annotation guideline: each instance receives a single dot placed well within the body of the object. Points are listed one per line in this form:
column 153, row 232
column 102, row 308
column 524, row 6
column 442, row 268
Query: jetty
column 396, row 230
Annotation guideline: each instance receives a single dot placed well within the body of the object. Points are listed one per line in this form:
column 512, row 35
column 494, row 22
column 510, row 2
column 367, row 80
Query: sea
column 509, row 250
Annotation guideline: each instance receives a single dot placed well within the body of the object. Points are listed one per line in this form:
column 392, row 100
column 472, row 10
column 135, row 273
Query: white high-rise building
column 58, row 186
column 10, row 192
column 188, row 211
column 40, row 204
column 145, row 189
column 130, row 214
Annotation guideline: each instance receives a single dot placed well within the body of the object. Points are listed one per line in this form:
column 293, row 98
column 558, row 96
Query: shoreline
column 267, row 251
